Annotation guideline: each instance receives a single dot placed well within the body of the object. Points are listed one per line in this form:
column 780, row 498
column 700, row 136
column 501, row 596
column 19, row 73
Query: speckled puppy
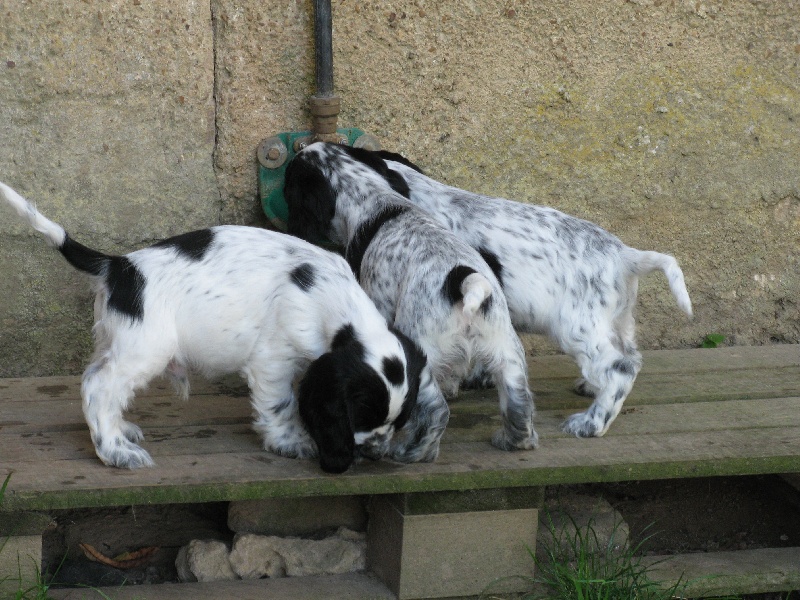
column 562, row 276
column 432, row 286
column 267, row 305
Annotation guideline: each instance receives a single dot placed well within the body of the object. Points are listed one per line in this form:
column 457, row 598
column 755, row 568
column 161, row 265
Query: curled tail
column 644, row 262
column 476, row 289
column 79, row 256
column 464, row 284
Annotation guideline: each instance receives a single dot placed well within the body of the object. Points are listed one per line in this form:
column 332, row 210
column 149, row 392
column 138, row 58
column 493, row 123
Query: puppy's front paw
column 582, row 425
column 516, row 440
column 133, row 433
column 294, row 450
column 119, row 452
column 406, row 454
column 584, row 388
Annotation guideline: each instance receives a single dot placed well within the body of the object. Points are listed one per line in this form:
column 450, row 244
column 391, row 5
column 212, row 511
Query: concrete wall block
column 450, row 554
column 297, row 516
column 109, row 127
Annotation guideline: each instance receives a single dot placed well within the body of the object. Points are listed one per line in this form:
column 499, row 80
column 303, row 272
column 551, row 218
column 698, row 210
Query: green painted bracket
column 270, row 179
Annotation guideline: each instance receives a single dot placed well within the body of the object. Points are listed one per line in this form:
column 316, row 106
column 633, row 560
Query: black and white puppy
column 269, row 306
column 562, row 276
column 432, row 286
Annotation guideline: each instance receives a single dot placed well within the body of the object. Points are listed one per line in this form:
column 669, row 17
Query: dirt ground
column 679, row 516
column 709, row 514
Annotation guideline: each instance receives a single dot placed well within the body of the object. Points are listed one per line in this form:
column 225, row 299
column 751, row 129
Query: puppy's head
column 352, row 403
column 310, row 197
column 324, row 174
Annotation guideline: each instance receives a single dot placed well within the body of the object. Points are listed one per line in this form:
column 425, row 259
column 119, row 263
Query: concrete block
column 20, row 562
column 297, row 516
column 445, row 554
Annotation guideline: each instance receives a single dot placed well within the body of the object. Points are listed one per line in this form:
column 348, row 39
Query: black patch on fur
column 451, row 289
column 364, row 235
column 192, row 245
column 310, row 199
column 346, row 336
column 493, row 262
column 486, row 305
column 83, row 258
column 398, row 158
column 624, row 366
column 125, row 285
column 303, row 276
column 377, row 164
column 393, row 370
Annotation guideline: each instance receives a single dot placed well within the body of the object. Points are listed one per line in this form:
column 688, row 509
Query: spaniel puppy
column 432, row 286
column 269, row 306
column 562, row 276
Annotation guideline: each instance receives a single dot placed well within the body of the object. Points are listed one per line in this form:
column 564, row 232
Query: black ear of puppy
column 310, row 199
column 415, row 362
column 398, row 158
column 323, row 409
column 398, row 183
column 376, row 163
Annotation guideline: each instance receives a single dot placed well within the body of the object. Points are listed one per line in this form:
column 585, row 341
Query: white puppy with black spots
column 428, row 283
column 562, row 276
column 269, row 306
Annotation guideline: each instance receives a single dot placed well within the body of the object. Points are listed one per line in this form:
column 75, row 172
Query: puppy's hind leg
column 107, row 390
column 516, row 399
column 611, row 372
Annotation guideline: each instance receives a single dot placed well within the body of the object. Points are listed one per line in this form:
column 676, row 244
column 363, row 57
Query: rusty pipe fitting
column 324, row 118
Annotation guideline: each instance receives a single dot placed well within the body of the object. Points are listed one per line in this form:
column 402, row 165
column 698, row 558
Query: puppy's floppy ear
column 374, row 161
column 416, row 361
column 398, row 158
column 310, row 199
column 323, row 409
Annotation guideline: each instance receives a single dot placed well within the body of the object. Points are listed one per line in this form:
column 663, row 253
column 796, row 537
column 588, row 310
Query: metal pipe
column 323, row 40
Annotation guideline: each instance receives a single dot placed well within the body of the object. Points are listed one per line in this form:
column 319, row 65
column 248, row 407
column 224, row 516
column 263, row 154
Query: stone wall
column 673, row 123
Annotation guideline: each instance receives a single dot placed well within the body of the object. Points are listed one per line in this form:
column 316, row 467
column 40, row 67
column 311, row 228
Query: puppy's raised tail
column 642, row 262
column 476, row 290
column 464, row 284
column 79, row 256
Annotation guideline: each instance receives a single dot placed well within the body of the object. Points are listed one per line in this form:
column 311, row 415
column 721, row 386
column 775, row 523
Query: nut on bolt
column 301, row 143
column 272, row 153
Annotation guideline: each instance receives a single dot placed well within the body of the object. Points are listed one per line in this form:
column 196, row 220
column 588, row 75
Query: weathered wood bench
column 692, row 413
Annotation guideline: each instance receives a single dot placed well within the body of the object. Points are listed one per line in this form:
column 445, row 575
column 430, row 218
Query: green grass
column 712, row 340
column 579, row 565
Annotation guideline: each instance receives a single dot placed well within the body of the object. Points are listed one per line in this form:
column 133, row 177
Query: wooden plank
column 720, row 573
column 206, row 450
column 59, row 411
column 36, row 416
column 69, row 386
column 351, row 586
column 471, row 465
column 167, row 432
column 698, row 360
